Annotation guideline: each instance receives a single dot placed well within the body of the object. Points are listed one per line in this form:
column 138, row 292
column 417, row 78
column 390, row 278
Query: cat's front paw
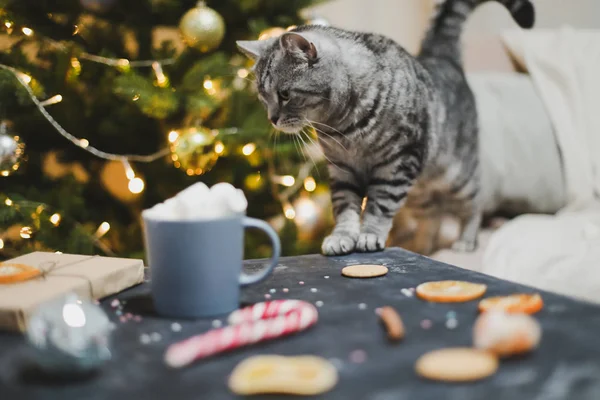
column 464, row 246
column 370, row 242
column 338, row 244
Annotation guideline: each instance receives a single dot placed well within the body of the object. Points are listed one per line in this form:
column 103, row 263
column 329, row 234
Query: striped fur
column 397, row 129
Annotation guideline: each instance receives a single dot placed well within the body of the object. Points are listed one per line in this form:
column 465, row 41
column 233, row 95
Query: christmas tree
column 108, row 107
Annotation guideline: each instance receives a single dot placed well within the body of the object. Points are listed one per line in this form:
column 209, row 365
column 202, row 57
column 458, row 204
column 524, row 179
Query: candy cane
column 257, row 323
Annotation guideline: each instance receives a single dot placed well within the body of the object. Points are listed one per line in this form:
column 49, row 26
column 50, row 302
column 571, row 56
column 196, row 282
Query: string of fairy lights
column 136, row 184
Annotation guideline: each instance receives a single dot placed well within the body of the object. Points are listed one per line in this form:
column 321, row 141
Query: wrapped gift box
column 91, row 277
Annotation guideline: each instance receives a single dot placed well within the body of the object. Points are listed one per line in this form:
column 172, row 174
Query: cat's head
column 292, row 79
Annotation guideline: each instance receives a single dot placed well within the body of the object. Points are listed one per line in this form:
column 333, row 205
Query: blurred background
column 406, row 21
column 143, row 98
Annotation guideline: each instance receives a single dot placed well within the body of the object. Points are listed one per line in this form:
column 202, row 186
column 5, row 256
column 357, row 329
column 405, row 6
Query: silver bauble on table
column 12, row 150
column 69, row 335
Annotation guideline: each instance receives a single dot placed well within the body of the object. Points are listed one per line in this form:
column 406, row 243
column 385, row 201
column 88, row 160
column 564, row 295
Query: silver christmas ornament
column 12, row 150
column 70, row 335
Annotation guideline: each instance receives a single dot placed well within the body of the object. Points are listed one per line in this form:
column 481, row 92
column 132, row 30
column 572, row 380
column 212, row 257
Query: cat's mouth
column 290, row 127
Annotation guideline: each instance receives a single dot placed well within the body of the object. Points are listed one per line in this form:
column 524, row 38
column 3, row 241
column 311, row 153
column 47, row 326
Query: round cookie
column 299, row 375
column 460, row 364
column 450, row 291
column 515, row 303
column 364, row 271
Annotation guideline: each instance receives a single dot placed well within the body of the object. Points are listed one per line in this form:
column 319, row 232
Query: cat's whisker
column 310, row 139
column 315, row 143
column 298, row 146
column 325, row 125
column 326, row 134
column 275, row 135
column 324, row 155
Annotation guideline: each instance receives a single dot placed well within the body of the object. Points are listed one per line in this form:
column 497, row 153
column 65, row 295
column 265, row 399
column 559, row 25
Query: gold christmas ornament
column 202, row 28
column 193, row 149
column 12, row 150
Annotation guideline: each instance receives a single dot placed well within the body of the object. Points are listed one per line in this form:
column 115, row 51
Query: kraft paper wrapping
column 91, row 277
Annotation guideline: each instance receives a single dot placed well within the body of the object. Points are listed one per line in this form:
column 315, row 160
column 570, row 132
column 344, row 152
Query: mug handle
column 246, row 279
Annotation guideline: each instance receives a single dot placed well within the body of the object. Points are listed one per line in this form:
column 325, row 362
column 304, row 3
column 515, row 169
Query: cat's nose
column 274, row 119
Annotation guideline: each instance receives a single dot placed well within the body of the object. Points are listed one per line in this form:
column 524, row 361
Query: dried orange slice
column 450, row 291
column 515, row 303
column 13, row 272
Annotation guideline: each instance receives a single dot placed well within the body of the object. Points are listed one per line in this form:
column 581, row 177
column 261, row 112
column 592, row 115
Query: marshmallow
column 198, row 202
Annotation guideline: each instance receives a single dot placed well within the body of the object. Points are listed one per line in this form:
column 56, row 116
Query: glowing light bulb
column 102, row 229
column 55, row 219
column 52, row 100
column 161, row 79
column 8, row 24
column 288, row 211
column 306, row 211
column 219, row 147
column 173, row 136
column 208, row 84
column 27, row 31
column 26, row 232
column 309, row 184
column 248, row 149
column 242, row 73
column 24, row 77
column 1, row 244
column 84, row 143
column 288, row 180
column 136, row 185
column 8, row 202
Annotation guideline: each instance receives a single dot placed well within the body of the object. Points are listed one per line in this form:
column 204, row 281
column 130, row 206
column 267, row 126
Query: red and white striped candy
column 257, row 323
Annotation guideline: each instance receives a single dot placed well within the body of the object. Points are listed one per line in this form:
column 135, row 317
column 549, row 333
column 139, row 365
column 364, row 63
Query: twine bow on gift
column 11, row 272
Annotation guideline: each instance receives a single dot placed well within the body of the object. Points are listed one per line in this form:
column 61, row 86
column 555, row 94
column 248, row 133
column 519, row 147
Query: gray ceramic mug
column 196, row 266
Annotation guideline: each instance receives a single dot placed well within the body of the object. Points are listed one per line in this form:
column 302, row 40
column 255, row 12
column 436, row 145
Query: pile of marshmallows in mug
column 199, row 202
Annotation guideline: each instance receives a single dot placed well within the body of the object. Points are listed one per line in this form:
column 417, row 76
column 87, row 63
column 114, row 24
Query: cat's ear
column 297, row 44
column 253, row 48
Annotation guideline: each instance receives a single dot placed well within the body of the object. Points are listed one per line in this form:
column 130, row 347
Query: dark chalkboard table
column 566, row 366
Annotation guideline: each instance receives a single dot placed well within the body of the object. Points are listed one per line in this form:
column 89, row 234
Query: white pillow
column 520, row 160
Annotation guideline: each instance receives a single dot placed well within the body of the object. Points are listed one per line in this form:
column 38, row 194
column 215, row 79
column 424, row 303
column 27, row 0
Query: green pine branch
column 153, row 101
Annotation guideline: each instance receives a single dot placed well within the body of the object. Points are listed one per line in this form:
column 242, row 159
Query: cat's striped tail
column 443, row 37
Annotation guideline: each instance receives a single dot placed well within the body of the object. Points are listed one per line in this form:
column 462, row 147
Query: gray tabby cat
column 395, row 128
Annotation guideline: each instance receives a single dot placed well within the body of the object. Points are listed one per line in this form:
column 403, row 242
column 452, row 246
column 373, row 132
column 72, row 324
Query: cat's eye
column 284, row 95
